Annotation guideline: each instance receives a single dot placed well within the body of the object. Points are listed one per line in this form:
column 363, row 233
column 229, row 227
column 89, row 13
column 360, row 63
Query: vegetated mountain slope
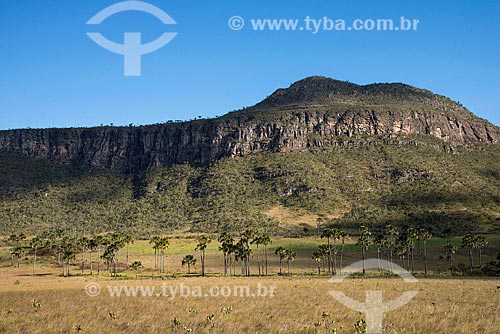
column 403, row 184
column 311, row 113
column 321, row 149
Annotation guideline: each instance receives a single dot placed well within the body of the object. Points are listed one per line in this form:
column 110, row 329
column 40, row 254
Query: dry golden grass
column 441, row 306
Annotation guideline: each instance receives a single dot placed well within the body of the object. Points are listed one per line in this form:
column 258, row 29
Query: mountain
column 313, row 112
column 320, row 150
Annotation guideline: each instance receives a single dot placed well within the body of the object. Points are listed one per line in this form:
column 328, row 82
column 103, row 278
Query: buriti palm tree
column 257, row 241
column 117, row 243
column 290, row 256
column 244, row 251
column 335, row 238
column 323, row 249
column 317, row 256
column 412, row 236
column 67, row 253
column 189, row 260
column 404, row 246
column 450, row 250
column 82, row 243
column 92, row 246
column 127, row 240
column 36, row 243
column 481, row 244
column 232, row 251
column 203, row 242
column 401, row 250
column 226, row 242
column 379, row 242
column 162, row 246
column 110, row 255
column 265, row 240
column 100, row 241
column 391, row 235
column 364, row 242
column 328, row 234
column 18, row 252
column 343, row 236
column 136, row 265
column 469, row 242
column 16, row 241
column 425, row 236
column 281, row 252
column 155, row 241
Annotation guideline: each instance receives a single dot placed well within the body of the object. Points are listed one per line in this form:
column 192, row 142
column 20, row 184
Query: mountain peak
column 324, row 91
column 309, row 90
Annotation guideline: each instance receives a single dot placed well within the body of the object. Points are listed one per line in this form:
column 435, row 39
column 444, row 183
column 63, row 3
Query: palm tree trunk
column 98, row 260
column 34, row 263
column 391, row 257
column 230, row 265
column 265, row 255
column 281, row 261
column 470, row 261
column 227, row 269
column 335, row 257
column 127, row 257
column 83, row 260
column 329, row 258
column 412, row 261
column 451, row 265
column 425, row 257
column 90, row 261
column 258, row 259
column 156, row 260
column 364, row 255
column 378, row 260
column 341, row 258
column 202, row 263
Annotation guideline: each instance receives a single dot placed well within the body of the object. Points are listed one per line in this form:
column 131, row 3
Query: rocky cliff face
column 313, row 112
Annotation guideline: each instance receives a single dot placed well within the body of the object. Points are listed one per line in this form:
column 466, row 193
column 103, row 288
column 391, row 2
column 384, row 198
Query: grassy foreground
column 177, row 303
column 441, row 306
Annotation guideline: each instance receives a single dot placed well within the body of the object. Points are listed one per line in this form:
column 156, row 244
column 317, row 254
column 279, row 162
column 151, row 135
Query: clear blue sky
column 53, row 75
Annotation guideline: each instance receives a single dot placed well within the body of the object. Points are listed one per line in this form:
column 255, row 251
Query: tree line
column 405, row 246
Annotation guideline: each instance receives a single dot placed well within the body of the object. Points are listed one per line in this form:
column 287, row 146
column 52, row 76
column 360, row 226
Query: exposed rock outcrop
column 313, row 112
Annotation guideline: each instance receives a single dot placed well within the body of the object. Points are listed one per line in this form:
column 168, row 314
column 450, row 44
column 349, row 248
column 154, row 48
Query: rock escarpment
column 313, row 112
